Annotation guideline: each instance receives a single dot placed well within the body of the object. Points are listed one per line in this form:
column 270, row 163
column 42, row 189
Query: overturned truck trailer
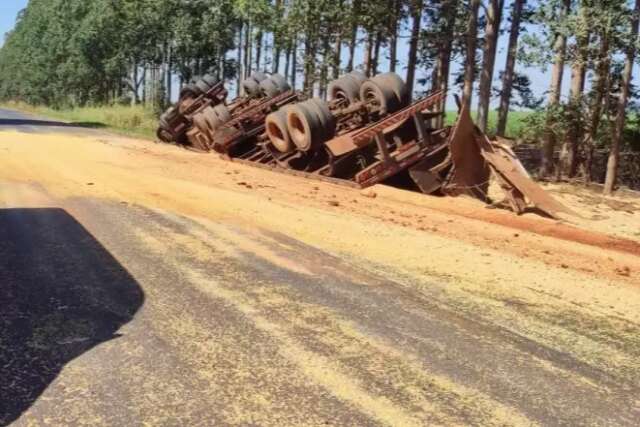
column 369, row 132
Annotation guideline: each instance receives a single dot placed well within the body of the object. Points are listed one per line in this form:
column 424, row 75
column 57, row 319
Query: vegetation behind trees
column 94, row 52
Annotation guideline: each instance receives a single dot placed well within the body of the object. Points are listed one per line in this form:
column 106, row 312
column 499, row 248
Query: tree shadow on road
column 61, row 294
column 50, row 123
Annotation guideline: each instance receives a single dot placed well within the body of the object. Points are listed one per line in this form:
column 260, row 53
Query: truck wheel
column 280, row 82
column 380, row 95
column 327, row 121
column 303, row 124
column 397, row 85
column 203, row 86
column 212, row 120
column 222, row 112
column 250, row 87
column 278, row 132
column 358, row 76
column 189, row 91
column 258, row 76
column 185, row 103
column 200, row 121
column 344, row 89
column 164, row 135
column 210, row 80
column 269, row 88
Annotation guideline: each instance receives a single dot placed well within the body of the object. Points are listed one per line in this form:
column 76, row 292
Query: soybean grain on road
column 146, row 284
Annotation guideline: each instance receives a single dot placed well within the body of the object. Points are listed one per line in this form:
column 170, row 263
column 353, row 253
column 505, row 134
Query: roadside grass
column 137, row 121
column 515, row 121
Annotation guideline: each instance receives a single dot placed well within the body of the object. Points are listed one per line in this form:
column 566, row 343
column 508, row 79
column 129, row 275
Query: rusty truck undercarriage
column 369, row 132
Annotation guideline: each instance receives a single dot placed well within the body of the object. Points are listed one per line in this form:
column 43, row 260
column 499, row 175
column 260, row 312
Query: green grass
column 137, row 121
column 515, row 123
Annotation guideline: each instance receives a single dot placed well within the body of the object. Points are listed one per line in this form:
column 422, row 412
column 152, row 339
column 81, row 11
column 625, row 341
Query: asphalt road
column 116, row 313
column 15, row 120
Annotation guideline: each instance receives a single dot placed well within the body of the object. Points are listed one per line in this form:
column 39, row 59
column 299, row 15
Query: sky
column 8, row 11
column 539, row 78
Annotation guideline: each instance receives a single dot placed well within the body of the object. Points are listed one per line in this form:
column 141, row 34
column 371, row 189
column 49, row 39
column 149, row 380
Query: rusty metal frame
column 361, row 137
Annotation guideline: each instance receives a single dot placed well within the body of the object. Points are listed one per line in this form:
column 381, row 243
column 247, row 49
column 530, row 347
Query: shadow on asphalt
column 25, row 122
column 61, row 294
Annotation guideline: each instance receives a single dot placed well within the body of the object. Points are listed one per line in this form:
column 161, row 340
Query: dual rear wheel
column 304, row 126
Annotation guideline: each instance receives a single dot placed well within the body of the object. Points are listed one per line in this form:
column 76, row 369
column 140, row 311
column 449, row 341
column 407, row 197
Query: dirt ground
column 572, row 286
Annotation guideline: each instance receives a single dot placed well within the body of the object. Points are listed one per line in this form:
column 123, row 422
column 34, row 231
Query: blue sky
column 540, row 79
column 8, row 11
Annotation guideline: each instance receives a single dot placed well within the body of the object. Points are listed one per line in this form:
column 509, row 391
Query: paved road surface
column 119, row 312
column 15, row 120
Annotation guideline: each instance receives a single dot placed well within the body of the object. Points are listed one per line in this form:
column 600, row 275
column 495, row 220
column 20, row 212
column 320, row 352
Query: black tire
column 258, row 76
column 164, row 135
column 170, row 114
column 280, row 82
column 327, row 121
column 278, row 132
column 379, row 94
column 212, row 120
column 397, row 85
column 302, row 125
column 203, row 86
column 211, row 80
column 222, row 112
column 344, row 89
column 358, row 76
column 186, row 103
column 189, row 91
column 269, row 88
column 200, row 121
column 250, row 87
column 196, row 88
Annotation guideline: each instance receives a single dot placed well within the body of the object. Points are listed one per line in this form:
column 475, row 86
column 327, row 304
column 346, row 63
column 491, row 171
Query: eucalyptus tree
column 509, row 69
column 493, row 18
column 631, row 41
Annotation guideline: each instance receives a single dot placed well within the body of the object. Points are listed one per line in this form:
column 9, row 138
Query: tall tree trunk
column 277, row 39
column 247, row 50
column 144, row 85
column 599, row 88
column 134, row 86
column 627, row 74
column 258, row 50
column 509, row 68
column 444, row 54
column 239, row 59
column 569, row 153
column 368, row 53
column 169, row 75
column 222, row 58
column 294, row 62
column 324, row 70
column 395, row 7
column 287, row 61
column 416, row 16
column 470, row 60
column 276, row 60
column 376, row 54
column 336, row 57
column 555, row 87
column 309, row 65
column 354, row 34
column 492, row 32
